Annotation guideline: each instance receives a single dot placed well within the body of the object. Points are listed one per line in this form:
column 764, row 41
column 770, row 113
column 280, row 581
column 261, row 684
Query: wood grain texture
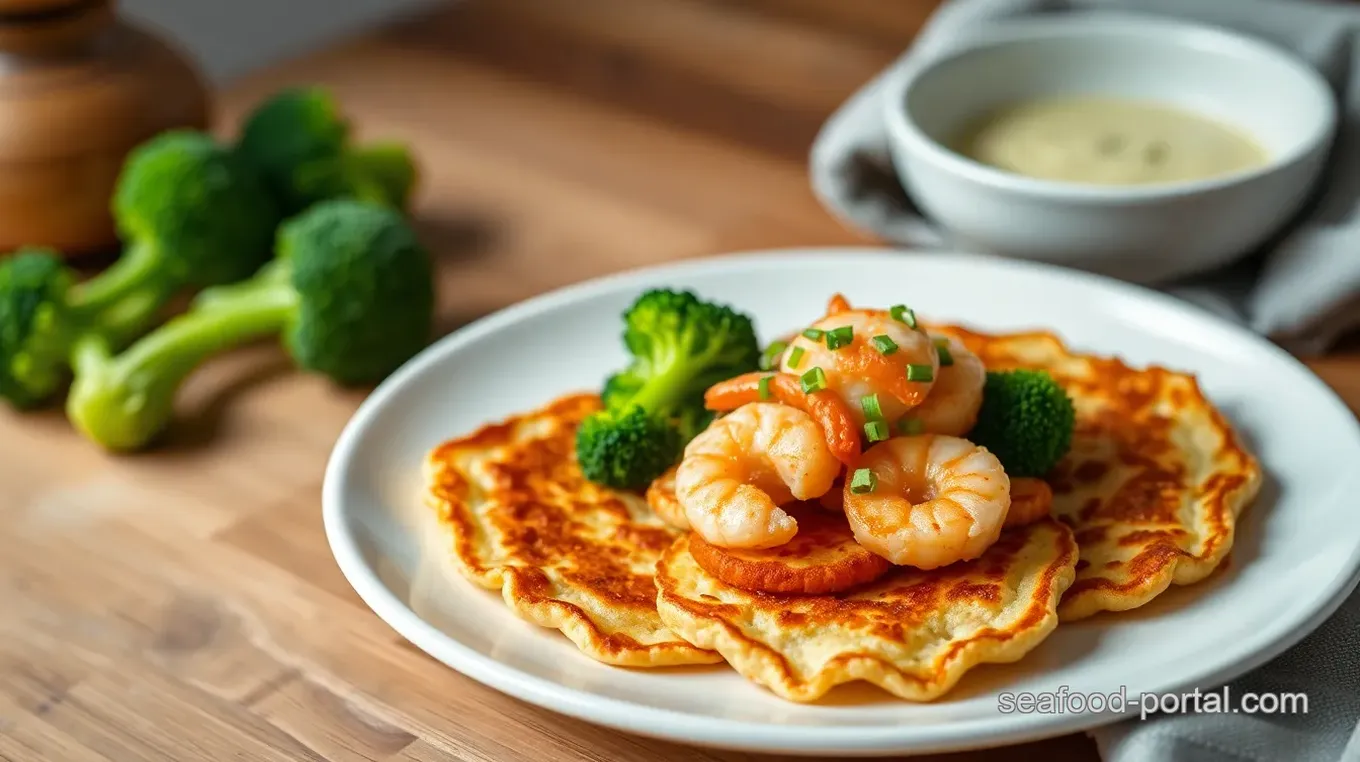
column 183, row 605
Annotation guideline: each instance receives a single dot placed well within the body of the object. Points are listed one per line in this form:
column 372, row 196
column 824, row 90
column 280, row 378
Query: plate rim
column 654, row 722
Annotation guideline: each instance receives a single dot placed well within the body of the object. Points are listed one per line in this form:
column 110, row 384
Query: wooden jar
column 78, row 89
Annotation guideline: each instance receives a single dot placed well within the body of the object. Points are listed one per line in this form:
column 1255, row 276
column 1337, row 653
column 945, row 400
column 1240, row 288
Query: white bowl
column 1143, row 233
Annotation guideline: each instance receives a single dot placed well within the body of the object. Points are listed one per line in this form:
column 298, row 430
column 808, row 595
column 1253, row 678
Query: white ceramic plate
column 1297, row 552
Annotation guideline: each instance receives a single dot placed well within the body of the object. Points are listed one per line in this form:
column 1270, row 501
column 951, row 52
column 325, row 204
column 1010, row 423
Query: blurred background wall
column 231, row 37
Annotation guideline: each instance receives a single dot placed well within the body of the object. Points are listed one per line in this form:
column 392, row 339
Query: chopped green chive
column 795, row 356
column 770, row 359
column 813, row 381
column 814, row 333
column 840, row 337
column 920, row 373
column 942, row 349
column 876, row 431
column 872, row 410
column 903, row 314
column 765, row 387
column 884, row 344
column 863, row 481
column 910, row 427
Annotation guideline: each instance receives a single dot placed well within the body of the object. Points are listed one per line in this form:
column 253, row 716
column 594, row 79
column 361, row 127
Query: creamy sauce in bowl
column 1107, row 141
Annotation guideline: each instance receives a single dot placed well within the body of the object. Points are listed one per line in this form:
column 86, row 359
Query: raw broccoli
column 301, row 141
column 38, row 326
column 33, row 286
column 1026, row 420
column 191, row 213
column 680, row 346
column 350, row 291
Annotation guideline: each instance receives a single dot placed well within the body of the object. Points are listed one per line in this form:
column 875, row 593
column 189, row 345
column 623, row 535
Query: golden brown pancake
column 822, row 558
column 913, row 633
column 564, row 553
column 1155, row 479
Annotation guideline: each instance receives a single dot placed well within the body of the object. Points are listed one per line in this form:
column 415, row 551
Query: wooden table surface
column 183, row 605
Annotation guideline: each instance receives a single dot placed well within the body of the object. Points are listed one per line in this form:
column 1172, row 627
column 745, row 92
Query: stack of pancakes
column 1148, row 496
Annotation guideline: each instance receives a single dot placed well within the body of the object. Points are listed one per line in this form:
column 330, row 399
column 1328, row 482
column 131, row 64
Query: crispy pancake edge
column 1160, row 563
column 765, row 666
column 445, row 493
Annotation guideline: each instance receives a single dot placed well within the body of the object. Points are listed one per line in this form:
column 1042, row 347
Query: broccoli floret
column 680, row 345
column 191, row 213
column 38, row 326
column 350, row 291
column 1026, row 420
column 301, row 141
column 33, row 341
column 626, row 448
column 619, row 389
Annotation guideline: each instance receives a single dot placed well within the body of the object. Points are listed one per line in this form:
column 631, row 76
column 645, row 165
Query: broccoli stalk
column 350, row 292
column 1026, row 421
column 680, row 346
column 192, row 214
column 301, row 141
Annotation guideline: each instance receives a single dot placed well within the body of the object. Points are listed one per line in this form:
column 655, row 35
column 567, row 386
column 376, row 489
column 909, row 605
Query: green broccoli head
column 191, row 214
column 367, row 255
column 680, row 345
column 350, row 293
column 197, row 208
column 627, row 448
column 34, row 326
column 619, row 390
column 300, row 140
column 1026, row 420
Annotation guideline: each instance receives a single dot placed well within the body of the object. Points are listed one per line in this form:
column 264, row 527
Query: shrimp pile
column 864, row 415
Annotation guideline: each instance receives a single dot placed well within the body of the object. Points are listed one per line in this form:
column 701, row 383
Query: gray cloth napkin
column 1303, row 291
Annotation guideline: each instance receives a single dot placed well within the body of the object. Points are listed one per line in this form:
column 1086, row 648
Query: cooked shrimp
column 837, row 304
column 661, row 499
column 937, row 500
column 860, row 367
column 829, row 410
column 739, row 470
column 952, row 406
column 1031, row 500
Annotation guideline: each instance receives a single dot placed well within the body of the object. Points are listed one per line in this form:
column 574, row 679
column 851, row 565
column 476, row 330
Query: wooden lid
column 77, row 91
column 41, row 7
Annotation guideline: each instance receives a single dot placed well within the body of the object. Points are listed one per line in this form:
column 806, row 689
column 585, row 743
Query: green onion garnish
column 840, row 337
column 863, row 481
column 765, row 387
column 942, row 349
column 813, row 381
column 920, row 373
column 814, row 333
column 884, row 344
column 903, row 314
column 872, row 411
column 910, row 426
column 876, row 431
column 770, row 359
column 795, row 356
